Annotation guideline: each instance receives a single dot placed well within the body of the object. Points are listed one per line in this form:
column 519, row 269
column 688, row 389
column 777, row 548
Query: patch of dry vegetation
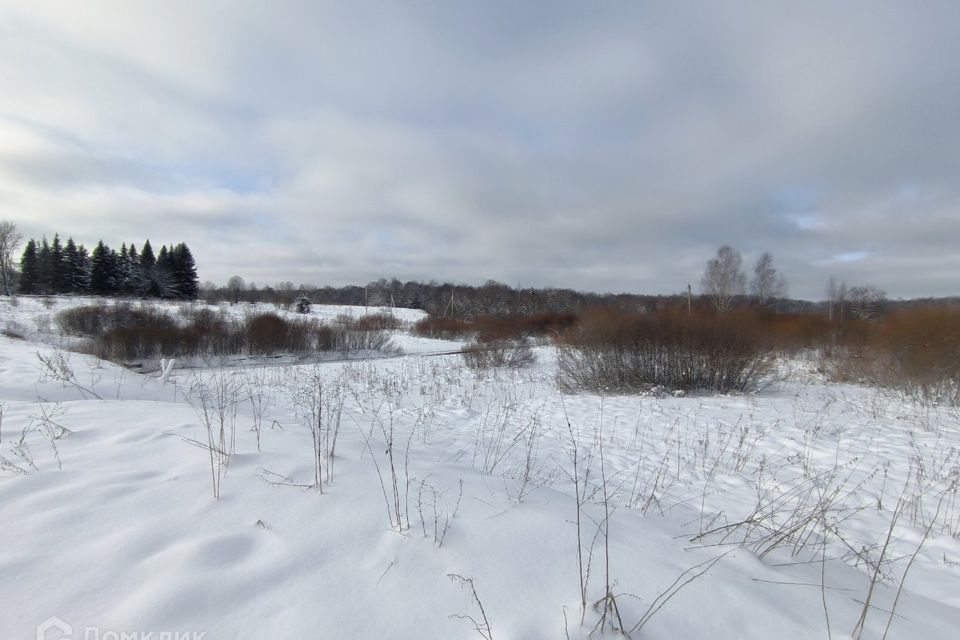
column 611, row 351
column 127, row 333
column 496, row 328
column 915, row 351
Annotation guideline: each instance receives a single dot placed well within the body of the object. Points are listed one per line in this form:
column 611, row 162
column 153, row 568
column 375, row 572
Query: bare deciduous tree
column 9, row 242
column 236, row 285
column 837, row 297
column 767, row 283
column 724, row 279
column 867, row 302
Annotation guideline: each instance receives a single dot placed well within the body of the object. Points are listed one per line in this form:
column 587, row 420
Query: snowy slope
column 114, row 526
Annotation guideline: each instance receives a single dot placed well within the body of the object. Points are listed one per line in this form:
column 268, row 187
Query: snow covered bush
column 15, row 330
column 303, row 304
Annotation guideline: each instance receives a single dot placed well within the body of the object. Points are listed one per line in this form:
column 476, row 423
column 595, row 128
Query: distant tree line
column 724, row 286
column 54, row 267
column 491, row 299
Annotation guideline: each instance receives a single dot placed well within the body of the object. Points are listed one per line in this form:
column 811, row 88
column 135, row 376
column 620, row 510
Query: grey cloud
column 610, row 147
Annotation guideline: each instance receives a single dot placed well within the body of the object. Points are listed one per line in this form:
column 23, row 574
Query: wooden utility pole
column 689, row 300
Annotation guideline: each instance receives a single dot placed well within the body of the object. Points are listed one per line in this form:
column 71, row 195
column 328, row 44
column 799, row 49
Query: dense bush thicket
column 268, row 333
column 124, row 332
column 95, row 320
column 371, row 322
column 443, row 328
column 913, row 350
column 916, row 351
column 504, row 328
column 611, row 351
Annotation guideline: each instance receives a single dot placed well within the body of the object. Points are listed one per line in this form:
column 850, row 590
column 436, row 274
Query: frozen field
column 806, row 510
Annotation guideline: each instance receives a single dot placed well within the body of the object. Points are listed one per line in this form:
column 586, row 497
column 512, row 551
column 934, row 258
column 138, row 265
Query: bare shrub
column 210, row 332
column 920, row 354
column 89, row 320
column 344, row 337
column 256, row 388
column 215, row 403
column 394, row 478
column 319, row 406
column 481, row 625
column 621, row 352
column 443, row 328
column 46, row 424
column 496, row 328
column 523, row 326
column 329, row 338
column 579, row 473
column 371, row 322
column 915, row 351
column 512, row 354
column 125, row 333
column 153, row 334
column 436, row 516
column 268, row 333
column 794, row 332
column 56, row 366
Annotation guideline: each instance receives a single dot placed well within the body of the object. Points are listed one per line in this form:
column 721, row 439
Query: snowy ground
column 109, row 520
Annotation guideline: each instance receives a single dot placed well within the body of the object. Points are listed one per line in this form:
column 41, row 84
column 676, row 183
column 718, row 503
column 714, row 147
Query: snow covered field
column 776, row 514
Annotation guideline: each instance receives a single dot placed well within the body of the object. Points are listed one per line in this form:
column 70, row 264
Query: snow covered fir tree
column 55, row 268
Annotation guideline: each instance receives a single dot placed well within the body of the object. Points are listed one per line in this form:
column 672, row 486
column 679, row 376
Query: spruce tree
column 124, row 272
column 70, row 258
column 58, row 266
column 165, row 272
column 136, row 282
column 185, row 279
column 148, row 270
column 45, row 271
column 30, row 269
column 84, row 266
column 103, row 271
column 76, row 268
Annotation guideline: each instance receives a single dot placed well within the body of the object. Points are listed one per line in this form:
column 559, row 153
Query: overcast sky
column 603, row 146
